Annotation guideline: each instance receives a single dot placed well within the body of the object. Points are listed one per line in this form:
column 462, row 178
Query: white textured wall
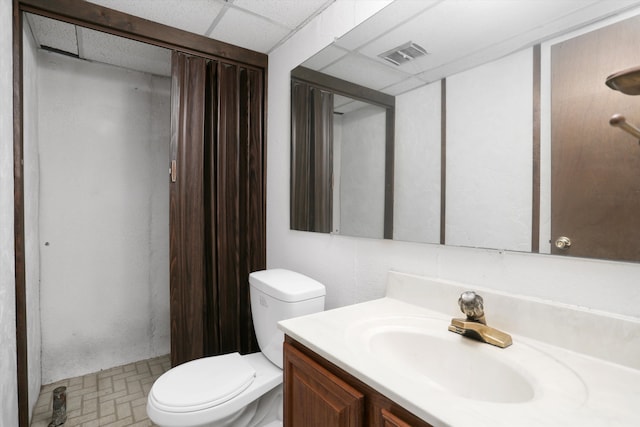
column 104, row 156
column 8, row 381
column 32, row 226
column 416, row 197
column 362, row 172
column 355, row 269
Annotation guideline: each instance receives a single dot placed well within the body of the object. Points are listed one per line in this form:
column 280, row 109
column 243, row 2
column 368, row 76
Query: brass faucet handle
column 480, row 332
column 472, row 305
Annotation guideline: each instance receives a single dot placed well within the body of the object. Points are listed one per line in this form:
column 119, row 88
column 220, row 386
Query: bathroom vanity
column 393, row 362
column 333, row 397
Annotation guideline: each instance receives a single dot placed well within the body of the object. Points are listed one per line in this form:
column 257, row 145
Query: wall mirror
column 471, row 84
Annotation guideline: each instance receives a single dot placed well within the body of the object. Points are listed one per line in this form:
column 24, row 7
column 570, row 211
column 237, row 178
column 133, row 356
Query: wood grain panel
column 254, row 224
column 443, row 160
column 376, row 404
column 320, row 189
column 234, row 203
column 390, row 420
column 323, row 399
column 187, row 231
column 300, row 157
column 535, row 202
column 212, row 335
column 227, row 207
column 18, row 224
column 243, row 315
column 256, row 205
column 389, row 161
column 311, row 158
column 595, row 179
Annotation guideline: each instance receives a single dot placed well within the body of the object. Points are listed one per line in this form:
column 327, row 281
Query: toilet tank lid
column 286, row 285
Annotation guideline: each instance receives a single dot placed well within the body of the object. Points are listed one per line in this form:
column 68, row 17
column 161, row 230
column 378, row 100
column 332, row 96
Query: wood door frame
column 113, row 22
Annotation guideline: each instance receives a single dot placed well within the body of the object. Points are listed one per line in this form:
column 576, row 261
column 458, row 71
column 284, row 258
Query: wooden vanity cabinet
column 319, row 394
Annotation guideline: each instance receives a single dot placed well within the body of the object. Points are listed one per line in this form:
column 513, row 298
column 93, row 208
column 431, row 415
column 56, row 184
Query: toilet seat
column 267, row 377
column 203, row 383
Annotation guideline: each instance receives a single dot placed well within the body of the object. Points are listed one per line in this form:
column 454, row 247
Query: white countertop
column 594, row 392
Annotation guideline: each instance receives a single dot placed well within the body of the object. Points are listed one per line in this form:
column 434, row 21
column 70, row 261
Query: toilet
column 233, row 389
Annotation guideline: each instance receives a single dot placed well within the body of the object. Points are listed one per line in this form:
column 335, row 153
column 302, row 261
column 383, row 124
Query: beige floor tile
column 114, row 397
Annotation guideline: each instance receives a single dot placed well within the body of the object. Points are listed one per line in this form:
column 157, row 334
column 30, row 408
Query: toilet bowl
column 232, row 389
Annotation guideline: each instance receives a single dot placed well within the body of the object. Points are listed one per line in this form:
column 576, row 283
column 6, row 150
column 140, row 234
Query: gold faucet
column 475, row 325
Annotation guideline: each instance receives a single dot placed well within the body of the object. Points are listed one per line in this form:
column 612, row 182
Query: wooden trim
column 443, row 159
column 343, row 87
column 388, row 172
column 391, row 420
column 132, row 27
column 19, row 228
column 535, row 194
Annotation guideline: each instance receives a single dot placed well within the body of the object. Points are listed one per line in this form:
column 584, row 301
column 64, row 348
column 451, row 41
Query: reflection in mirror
column 341, row 157
column 359, row 164
column 595, row 168
column 472, row 127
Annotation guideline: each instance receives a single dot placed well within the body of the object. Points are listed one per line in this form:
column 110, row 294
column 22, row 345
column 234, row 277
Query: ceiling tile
column 290, row 13
column 386, row 20
column 404, row 86
column 51, row 33
column 247, row 30
column 195, row 16
column 377, row 76
column 325, row 57
column 122, row 52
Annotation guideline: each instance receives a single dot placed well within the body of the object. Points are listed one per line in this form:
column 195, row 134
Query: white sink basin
column 422, row 350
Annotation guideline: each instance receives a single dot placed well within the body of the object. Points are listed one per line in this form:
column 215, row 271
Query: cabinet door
column 314, row 397
column 390, row 420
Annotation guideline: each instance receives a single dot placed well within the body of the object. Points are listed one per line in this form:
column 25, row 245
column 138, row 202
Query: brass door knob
column 563, row 243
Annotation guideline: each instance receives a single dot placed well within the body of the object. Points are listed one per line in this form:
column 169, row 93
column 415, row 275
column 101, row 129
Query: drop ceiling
column 457, row 34
column 259, row 25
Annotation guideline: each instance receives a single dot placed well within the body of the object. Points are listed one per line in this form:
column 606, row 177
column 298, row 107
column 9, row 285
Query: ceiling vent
column 405, row 53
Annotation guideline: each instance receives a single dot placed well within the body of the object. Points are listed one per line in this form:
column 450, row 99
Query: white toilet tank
column 276, row 295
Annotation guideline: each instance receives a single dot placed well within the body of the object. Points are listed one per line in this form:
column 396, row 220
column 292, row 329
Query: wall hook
column 618, row 120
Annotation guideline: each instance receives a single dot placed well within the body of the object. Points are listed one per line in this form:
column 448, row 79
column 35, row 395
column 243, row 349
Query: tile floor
column 115, row 397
